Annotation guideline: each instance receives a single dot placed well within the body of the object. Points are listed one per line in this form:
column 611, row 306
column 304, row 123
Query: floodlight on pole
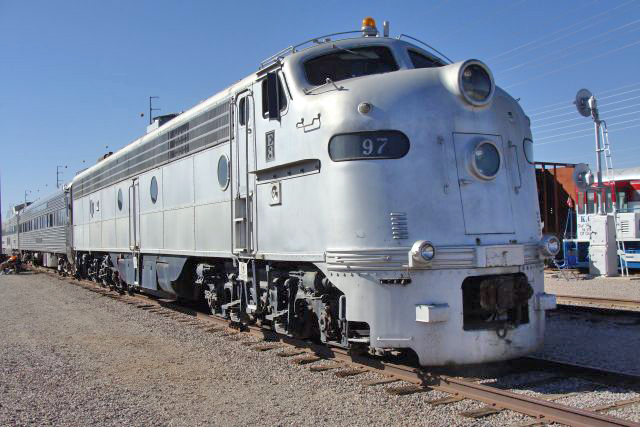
column 587, row 106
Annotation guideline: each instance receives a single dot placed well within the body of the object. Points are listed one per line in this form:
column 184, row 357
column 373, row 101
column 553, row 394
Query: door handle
column 464, row 181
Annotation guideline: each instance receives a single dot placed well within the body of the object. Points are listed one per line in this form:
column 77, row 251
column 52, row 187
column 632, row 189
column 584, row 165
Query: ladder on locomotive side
column 622, row 254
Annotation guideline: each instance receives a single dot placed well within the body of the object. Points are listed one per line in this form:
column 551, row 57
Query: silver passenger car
column 40, row 229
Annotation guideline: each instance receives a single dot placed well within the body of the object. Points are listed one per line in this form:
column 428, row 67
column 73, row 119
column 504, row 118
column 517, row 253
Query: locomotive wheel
column 121, row 287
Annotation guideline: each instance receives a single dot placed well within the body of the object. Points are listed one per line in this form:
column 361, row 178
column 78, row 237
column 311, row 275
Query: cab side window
column 242, row 111
column 282, row 97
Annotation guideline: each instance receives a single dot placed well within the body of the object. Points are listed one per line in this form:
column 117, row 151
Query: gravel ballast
column 603, row 341
column 69, row 356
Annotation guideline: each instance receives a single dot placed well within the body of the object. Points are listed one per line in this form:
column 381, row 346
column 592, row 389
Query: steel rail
column 542, row 410
column 578, row 301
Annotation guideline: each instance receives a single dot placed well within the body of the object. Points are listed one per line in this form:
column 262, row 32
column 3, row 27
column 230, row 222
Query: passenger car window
column 422, row 61
column 348, row 63
column 282, row 98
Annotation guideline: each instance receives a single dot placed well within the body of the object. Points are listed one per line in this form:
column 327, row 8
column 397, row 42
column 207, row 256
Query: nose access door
column 483, row 182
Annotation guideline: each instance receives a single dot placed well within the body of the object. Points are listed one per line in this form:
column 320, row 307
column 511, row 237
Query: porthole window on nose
column 485, row 160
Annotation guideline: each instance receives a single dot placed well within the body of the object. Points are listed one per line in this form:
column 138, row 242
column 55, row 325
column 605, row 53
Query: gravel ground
column 583, row 285
column 72, row 357
column 598, row 340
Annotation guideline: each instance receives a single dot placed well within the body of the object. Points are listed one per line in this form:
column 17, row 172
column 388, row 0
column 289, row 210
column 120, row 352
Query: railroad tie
column 290, row 353
column 614, row 405
column 305, row 359
column 532, row 423
column 266, row 347
column 372, row 383
column 554, row 397
column 349, row 372
column 407, row 389
column 446, row 400
column 481, row 412
column 322, row 368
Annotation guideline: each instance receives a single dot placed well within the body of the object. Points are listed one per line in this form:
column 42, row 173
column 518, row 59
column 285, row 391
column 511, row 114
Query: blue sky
column 75, row 75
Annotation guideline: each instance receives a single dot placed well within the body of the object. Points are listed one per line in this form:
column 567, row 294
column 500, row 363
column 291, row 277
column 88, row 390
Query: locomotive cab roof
column 390, row 53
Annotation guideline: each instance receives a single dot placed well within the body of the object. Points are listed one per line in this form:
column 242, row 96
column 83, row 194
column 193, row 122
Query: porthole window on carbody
column 120, row 200
column 153, row 189
column 223, row 172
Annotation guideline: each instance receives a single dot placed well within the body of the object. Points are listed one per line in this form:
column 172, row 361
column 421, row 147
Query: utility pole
column 151, row 109
column 58, row 174
column 603, row 252
column 596, row 123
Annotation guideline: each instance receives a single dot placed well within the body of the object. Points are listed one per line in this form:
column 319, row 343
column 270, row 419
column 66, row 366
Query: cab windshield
column 347, row 63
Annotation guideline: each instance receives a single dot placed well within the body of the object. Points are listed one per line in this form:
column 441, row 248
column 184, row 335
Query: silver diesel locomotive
column 361, row 191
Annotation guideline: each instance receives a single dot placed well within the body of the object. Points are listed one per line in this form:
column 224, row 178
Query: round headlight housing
column 423, row 251
column 476, row 83
column 485, row 160
column 549, row 246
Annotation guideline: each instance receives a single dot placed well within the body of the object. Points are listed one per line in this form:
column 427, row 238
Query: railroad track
column 598, row 303
column 544, row 410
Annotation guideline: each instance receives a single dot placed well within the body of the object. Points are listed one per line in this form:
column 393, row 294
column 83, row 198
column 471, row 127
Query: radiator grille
column 399, row 225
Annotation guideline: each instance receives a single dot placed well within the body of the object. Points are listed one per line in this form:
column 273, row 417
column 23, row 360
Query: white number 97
column 367, row 147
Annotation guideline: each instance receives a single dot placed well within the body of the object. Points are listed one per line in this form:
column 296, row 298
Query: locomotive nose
column 471, row 81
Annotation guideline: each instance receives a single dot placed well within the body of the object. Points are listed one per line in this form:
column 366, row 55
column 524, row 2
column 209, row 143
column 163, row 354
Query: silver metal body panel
column 394, row 324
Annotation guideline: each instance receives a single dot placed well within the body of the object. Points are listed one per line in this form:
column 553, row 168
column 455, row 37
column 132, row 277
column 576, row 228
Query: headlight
column 469, row 80
column 476, row 83
column 423, row 251
column 549, row 246
column 485, row 160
